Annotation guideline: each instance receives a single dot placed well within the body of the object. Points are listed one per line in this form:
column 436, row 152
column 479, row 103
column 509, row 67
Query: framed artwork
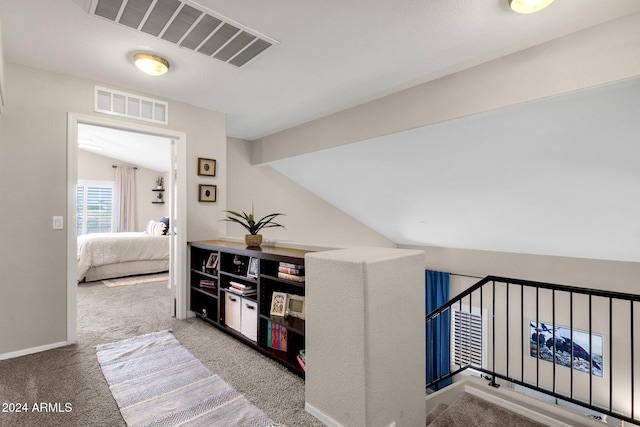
column 212, row 262
column 542, row 346
column 278, row 304
column 207, row 193
column 206, row 167
column 295, row 306
column 252, row 271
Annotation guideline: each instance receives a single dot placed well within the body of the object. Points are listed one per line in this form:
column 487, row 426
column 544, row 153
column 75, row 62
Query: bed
column 109, row 255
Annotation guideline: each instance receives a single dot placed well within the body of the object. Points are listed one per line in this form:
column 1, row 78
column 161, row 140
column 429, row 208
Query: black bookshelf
column 221, row 271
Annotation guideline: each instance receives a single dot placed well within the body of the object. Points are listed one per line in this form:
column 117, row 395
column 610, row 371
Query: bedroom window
column 95, row 207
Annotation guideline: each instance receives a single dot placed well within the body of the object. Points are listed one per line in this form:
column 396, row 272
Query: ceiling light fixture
column 528, row 6
column 151, row 64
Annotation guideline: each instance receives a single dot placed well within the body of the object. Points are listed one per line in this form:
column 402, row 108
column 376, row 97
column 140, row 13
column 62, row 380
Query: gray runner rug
column 158, row 382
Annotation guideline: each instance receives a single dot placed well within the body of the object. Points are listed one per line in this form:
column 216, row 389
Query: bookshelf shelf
column 207, row 292
column 244, row 313
column 291, row 323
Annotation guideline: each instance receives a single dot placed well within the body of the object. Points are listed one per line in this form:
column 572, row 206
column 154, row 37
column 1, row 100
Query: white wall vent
column 469, row 333
column 186, row 24
column 123, row 104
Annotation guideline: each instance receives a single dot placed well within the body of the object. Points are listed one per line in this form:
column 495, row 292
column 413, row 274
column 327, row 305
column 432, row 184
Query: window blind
column 95, row 209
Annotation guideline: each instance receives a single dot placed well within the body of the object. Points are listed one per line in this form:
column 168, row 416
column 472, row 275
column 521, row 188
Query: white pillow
column 155, row 228
column 159, row 228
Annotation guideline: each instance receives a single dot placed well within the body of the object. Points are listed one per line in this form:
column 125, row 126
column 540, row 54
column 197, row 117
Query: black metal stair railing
column 574, row 344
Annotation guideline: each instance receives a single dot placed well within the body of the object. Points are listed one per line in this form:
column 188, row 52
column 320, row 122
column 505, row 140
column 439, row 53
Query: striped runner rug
column 157, row 382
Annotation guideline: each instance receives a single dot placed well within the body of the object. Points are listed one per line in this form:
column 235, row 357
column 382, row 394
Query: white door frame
column 178, row 189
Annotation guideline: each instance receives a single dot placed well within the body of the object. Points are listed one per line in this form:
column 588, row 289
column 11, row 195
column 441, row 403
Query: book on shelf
column 301, row 362
column 242, row 292
column 208, row 284
column 241, row 288
column 276, row 336
column 297, row 271
column 291, row 265
column 239, row 285
column 292, row 277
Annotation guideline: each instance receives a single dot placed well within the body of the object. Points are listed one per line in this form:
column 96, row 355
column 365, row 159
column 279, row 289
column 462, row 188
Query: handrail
column 543, row 285
column 616, row 385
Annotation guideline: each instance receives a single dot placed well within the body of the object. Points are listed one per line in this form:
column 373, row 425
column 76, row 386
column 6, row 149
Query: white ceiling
column 148, row 151
column 331, row 55
column 499, row 180
column 337, row 54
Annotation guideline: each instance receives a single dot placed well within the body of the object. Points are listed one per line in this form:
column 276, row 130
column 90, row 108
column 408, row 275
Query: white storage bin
column 249, row 324
column 232, row 311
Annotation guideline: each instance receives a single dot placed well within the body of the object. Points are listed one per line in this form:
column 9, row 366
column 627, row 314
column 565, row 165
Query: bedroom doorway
column 175, row 195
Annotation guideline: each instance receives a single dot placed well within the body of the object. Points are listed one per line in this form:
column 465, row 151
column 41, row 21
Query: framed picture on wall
column 206, row 167
column 580, row 350
column 207, row 193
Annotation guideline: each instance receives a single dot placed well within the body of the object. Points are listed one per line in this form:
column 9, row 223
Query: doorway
column 176, row 189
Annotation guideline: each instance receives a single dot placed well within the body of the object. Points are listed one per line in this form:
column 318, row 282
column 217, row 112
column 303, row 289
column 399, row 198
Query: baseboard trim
column 327, row 420
column 32, row 350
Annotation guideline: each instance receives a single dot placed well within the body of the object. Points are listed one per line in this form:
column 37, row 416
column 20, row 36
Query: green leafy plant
column 249, row 222
column 159, row 181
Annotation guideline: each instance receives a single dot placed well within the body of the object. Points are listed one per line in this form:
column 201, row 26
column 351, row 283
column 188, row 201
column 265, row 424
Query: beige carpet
column 471, row 411
column 136, row 280
column 72, row 375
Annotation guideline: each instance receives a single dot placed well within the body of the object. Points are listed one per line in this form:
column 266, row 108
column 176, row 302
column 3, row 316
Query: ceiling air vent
column 187, row 25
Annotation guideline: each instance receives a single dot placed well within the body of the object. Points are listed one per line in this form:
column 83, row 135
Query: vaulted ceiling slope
column 559, row 176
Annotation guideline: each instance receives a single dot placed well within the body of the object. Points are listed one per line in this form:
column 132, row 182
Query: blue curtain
column 438, row 330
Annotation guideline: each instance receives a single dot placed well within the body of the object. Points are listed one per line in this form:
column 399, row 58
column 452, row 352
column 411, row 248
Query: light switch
column 58, row 223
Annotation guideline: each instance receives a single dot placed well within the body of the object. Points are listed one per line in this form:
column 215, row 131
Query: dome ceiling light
column 151, row 64
column 528, row 6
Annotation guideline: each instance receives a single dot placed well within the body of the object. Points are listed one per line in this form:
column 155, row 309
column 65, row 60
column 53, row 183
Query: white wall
column 365, row 337
column 597, row 274
column 1, row 70
column 92, row 166
column 308, row 220
column 33, row 188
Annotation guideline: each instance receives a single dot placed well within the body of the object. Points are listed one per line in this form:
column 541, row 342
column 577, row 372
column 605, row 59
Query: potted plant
column 253, row 226
column 159, row 183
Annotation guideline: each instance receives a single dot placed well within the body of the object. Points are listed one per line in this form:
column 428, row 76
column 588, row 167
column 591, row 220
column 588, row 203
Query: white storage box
column 232, row 311
column 249, row 324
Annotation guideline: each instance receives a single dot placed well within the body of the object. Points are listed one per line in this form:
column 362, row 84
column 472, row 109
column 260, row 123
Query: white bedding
column 100, row 249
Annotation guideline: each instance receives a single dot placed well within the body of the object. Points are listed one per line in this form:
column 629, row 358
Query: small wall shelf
column 159, row 198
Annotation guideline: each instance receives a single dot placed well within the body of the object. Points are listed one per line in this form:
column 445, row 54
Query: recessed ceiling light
column 528, row 6
column 153, row 65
